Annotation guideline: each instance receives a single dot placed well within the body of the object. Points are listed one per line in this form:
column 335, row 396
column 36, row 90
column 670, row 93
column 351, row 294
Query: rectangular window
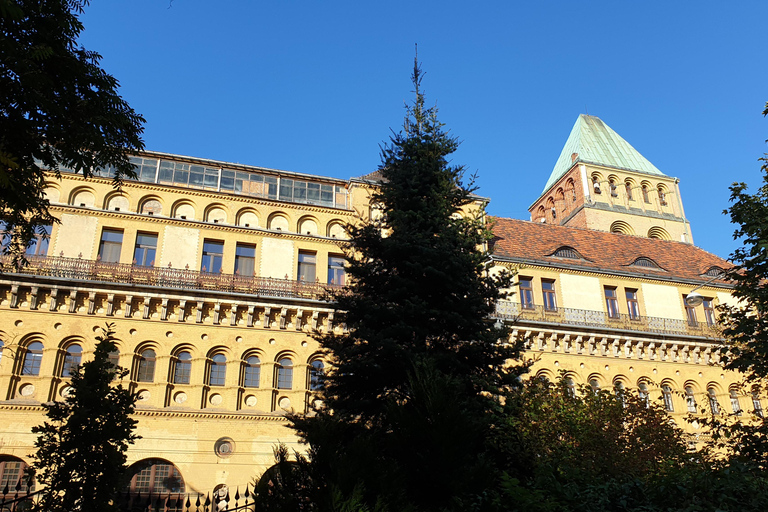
column 144, row 252
column 245, row 260
column 110, row 246
column 548, row 291
column 690, row 314
column 38, row 246
column 146, row 168
column 526, row 292
column 213, row 254
column 632, row 305
column 709, row 312
column 306, row 271
column 611, row 304
column 336, row 272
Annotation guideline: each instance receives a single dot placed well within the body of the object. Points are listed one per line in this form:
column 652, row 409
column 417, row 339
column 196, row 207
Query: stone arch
column 117, row 202
column 629, row 188
column 308, row 225
column 83, row 196
column 216, row 213
column 336, row 229
column 278, row 221
column 570, row 190
column 248, row 218
column 658, row 233
column 151, row 205
column 622, row 227
column 52, row 192
column 183, row 209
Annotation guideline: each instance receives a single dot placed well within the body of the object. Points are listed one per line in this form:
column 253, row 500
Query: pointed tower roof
column 595, row 142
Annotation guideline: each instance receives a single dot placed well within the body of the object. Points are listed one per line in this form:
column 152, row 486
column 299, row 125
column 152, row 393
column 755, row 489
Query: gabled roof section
column 595, row 142
column 535, row 242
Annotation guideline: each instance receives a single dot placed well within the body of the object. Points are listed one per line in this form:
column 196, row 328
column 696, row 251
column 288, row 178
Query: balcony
column 78, row 269
column 506, row 309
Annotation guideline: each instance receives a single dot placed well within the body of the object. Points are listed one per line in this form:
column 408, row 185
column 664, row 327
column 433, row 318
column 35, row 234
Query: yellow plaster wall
column 581, row 292
column 180, row 247
column 662, row 301
column 77, row 234
column 277, row 258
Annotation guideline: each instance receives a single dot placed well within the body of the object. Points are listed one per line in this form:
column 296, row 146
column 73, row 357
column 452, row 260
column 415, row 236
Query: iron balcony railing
column 582, row 317
column 165, row 277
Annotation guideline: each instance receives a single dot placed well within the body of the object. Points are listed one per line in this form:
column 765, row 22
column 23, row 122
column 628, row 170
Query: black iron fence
column 17, row 499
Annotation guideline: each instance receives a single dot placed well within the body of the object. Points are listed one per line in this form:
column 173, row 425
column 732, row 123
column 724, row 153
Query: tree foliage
column 58, row 108
column 406, row 405
column 746, row 325
column 81, row 448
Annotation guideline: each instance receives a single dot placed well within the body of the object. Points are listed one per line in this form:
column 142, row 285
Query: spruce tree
column 405, row 413
column 81, row 448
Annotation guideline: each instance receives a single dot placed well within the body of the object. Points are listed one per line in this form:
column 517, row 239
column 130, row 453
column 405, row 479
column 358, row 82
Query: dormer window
column 714, row 272
column 567, row 252
column 646, row 263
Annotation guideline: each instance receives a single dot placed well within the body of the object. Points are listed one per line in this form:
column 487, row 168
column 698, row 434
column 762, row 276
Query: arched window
column 12, row 475
column 662, row 196
column 285, row 374
column 570, row 387
column 218, row 370
column 757, row 404
column 145, row 371
column 690, row 401
column 33, row 356
column 621, row 394
column 714, row 407
column 666, row 394
column 71, row 360
column 570, row 190
column 614, row 188
column 251, row 372
column 646, row 197
column 114, row 357
column 642, row 392
column 316, row 375
column 182, row 368
column 735, row 406
column 594, row 385
column 155, row 476
column 628, row 190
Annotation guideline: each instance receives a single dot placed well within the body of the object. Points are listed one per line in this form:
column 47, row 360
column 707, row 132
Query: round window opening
column 224, row 447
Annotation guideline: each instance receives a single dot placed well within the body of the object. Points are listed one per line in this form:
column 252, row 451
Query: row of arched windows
column 630, row 188
column 156, row 476
column 712, row 404
column 216, row 213
column 181, row 367
column 565, row 196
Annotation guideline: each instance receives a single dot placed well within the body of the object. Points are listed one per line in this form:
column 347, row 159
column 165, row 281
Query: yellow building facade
column 213, row 275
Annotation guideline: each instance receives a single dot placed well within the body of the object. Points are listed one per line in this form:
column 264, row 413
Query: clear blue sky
column 316, row 86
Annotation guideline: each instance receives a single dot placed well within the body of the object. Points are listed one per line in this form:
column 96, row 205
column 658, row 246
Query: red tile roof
column 536, row 242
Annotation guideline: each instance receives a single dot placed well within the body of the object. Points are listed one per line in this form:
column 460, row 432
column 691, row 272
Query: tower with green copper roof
column 600, row 181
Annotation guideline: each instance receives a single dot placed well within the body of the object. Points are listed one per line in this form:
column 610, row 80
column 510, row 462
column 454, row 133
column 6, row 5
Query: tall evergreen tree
column 81, row 449
column 405, row 406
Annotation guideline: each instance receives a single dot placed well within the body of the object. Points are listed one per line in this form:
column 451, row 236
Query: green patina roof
column 596, row 143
